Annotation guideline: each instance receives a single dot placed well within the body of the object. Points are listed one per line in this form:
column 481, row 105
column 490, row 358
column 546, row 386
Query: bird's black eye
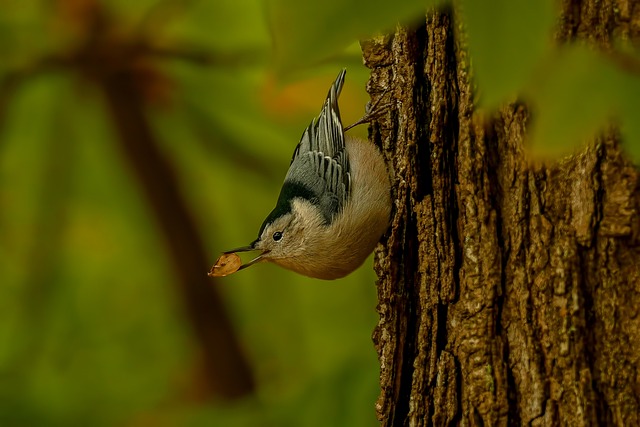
column 277, row 236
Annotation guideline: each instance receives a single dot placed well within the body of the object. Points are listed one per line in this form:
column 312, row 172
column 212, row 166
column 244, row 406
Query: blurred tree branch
column 113, row 65
column 226, row 367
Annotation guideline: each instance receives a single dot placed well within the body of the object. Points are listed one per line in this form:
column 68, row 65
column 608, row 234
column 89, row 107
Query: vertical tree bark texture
column 509, row 293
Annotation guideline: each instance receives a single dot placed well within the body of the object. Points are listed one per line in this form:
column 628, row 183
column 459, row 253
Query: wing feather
column 320, row 161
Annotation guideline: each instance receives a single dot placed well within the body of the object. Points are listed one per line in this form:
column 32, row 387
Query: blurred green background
column 93, row 328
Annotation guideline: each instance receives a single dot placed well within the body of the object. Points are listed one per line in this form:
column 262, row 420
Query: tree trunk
column 509, row 293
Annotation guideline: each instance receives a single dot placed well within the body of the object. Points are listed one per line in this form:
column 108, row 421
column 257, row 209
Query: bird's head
column 286, row 236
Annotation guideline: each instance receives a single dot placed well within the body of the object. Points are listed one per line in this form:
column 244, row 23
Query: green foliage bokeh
column 93, row 329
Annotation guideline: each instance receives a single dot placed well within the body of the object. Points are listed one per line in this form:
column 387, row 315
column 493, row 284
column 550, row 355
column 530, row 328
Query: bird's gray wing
column 320, row 163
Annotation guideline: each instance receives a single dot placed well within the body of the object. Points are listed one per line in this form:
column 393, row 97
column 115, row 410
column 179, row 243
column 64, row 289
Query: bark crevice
column 523, row 276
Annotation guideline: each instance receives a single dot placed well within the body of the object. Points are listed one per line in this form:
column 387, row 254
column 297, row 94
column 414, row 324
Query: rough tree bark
column 509, row 292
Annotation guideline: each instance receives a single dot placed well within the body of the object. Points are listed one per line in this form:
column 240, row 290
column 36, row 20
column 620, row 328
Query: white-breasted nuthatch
column 334, row 205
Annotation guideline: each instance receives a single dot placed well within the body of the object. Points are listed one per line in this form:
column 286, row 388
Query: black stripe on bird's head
column 289, row 191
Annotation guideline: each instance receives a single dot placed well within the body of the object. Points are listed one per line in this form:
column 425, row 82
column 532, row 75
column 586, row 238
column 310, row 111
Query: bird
column 334, row 204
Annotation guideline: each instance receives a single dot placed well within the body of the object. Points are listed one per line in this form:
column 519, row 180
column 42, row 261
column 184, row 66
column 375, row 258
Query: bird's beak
column 249, row 248
column 240, row 249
